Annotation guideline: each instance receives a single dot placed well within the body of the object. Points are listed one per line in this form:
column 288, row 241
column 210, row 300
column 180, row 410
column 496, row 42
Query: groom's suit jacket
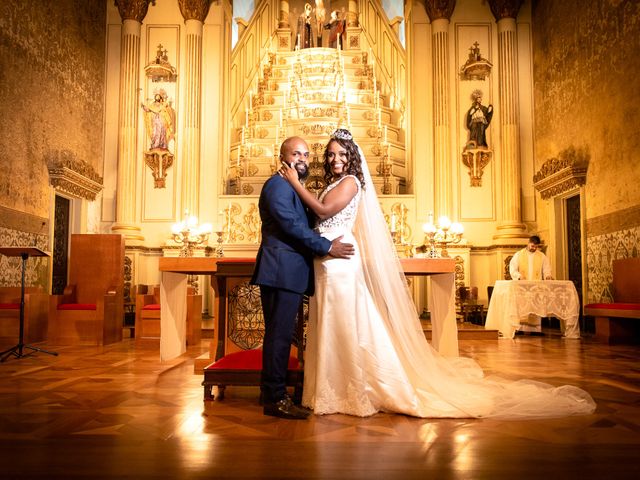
column 285, row 257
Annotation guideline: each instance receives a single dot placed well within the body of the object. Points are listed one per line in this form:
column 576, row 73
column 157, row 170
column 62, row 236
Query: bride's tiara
column 342, row 134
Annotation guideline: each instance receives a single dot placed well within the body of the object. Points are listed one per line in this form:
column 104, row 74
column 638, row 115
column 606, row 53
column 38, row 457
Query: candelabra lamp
column 219, row 251
column 441, row 235
column 386, row 170
column 189, row 234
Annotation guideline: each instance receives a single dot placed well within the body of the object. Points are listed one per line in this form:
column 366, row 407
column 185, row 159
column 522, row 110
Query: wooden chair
column 148, row 315
column 36, row 315
column 469, row 307
column 91, row 309
column 619, row 321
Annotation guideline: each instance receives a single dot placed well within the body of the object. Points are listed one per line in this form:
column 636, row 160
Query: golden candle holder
column 218, row 250
column 189, row 234
column 441, row 235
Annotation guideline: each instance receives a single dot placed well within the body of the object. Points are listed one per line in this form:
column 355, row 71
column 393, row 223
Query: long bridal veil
column 445, row 387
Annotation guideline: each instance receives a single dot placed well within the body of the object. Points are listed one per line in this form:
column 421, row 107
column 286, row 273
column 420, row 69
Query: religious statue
column 307, row 35
column 478, row 120
column 159, row 121
column 160, row 125
column 336, row 29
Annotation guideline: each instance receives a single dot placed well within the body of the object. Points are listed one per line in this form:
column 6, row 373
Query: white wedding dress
column 366, row 351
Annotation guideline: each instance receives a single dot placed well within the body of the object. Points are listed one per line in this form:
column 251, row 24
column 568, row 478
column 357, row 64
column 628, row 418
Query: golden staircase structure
column 309, row 93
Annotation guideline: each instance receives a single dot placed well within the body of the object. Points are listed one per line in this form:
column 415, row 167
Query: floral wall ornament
column 159, row 162
column 563, row 173
column 475, row 160
column 73, row 176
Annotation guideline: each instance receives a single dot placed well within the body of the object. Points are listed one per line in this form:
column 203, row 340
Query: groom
column 284, row 272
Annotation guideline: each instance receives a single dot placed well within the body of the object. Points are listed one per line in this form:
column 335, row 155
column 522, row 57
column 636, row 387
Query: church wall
column 52, row 90
column 586, row 98
column 157, row 208
column 476, row 207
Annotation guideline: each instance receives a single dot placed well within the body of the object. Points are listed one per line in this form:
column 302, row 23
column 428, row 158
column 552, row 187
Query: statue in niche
column 478, row 120
column 160, row 125
column 159, row 120
column 336, row 27
column 307, row 34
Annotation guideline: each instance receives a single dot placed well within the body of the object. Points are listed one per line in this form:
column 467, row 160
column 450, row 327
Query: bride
column 366, row 351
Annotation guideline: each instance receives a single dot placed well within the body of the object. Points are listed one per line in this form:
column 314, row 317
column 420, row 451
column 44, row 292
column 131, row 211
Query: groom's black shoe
column 285, row 409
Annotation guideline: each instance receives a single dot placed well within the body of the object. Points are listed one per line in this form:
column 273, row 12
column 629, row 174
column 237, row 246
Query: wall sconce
column 442, row 234
column 189, row 234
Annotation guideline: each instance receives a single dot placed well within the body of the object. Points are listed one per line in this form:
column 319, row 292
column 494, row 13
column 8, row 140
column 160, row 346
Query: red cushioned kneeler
column 244, row 369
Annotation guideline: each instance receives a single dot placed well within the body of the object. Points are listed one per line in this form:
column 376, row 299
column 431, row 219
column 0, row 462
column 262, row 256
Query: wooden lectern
column 24, row 253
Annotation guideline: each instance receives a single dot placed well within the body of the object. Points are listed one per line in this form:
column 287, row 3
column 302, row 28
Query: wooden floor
column 118, row 412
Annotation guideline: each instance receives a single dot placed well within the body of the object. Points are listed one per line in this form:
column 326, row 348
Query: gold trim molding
column 73, row 176
column 561, row 174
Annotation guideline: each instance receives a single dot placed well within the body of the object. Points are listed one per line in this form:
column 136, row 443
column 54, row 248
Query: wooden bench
column 617, row 322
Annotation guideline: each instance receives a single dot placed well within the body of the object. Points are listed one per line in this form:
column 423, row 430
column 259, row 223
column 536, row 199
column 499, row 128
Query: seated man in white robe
column 530, row 264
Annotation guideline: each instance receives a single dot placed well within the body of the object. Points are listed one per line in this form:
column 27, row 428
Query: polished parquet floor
column 118, row 412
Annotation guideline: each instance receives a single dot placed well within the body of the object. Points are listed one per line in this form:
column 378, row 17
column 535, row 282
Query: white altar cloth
column 512, row 301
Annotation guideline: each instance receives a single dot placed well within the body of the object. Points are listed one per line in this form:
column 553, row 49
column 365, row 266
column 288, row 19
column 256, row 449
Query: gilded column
column 352, row 14
column 510, row 224
column 283, row 16
column 283, row 30
column 132, row 13
column 440, row 12
column 194, row 13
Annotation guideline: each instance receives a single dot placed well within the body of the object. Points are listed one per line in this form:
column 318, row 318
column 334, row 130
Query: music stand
column 24, row 253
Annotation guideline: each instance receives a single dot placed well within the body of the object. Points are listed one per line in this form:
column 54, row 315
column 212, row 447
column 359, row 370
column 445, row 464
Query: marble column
column 132, row 13
column 510, row 225
column 440, row 12
column 194, row 13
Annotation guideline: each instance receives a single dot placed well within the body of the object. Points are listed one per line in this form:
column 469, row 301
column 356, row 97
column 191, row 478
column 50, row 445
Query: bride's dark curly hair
column 354, row 167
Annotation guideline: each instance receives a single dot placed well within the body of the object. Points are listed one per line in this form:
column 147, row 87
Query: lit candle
column 444, row 222
column 394, row 221
column 429, row 227
column 457, row 228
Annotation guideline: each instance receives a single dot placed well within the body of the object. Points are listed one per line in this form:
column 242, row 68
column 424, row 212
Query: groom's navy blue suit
column 284, row 272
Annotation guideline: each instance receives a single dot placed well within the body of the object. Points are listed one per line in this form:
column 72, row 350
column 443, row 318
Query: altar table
column 173, row 296
column 513, row 300
column 442, row 300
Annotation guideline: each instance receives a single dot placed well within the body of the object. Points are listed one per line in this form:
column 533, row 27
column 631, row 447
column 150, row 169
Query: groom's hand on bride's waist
column 341, row 250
